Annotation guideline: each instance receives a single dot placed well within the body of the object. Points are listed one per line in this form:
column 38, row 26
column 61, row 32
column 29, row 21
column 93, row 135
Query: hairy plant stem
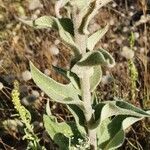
column 86, row 97
column 81, row 42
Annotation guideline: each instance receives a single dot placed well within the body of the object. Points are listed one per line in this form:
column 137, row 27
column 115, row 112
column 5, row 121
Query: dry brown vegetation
column 20, row 43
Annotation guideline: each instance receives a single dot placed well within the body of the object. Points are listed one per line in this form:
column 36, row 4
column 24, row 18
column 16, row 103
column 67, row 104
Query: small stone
column 2, row 17
column 123, row 15
column 35, row 93
column 145, row 38
column 114, row 5
column 54, row 50
column 25, row 102
column 142, row 50
column 34, row 4
column 37, row 12
column 42, row 94
column 14, row 33
column 135, row 48
column 57, row 42
column 28, row 100
column 47, row 72
column 131, row 14
column 54, row 106
column 111, row 22
column 119, row 41
column 55, row 62
column 132, row 7
column 38, row 39
column 125, row 29
column 15, row 39
column 127, row 52
column 136, row 35
column 1, row 62
column 9, row 26
column 93, row 27
column 105, row 45
column 1, row 86
column 34, row 16
column 26, row 75
column 106, row 79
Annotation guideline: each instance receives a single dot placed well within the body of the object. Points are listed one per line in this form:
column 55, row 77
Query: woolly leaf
column 107, row 109
column 73, row 78
column 95, row 37
column 58, row 92
column 41, row 22
column 92, row 11
column 63, row 25
column 109, row 60
column 63, row 134
column 70, row 76
column 45, row 22
column 99, row 57
column 50, row 22
column 111, row 133
column 61, row 71
column 79, row 117
column 67, row 38
column 67, row 25
column 95, row 78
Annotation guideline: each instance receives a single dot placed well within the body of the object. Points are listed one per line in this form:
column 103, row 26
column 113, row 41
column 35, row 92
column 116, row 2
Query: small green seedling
column 97, row 125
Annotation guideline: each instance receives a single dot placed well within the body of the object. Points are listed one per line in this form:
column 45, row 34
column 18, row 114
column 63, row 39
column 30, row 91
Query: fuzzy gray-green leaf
column 107, row 109
column 99, row 57
column 67, row 38
column 58, row 92
column 92, row 11
column 59, row 132
column 111, row 133
column 63, row 134
column 79, row 117
column 95, row 37
column 95, row 78
column 45, row 22
column 50, row 22
column 73, row 78
column 41, row 22
column 63, row 25
column 70, row 76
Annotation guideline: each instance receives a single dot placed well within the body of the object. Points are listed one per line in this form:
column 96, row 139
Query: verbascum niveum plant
column 25, row 117
column 97, row 125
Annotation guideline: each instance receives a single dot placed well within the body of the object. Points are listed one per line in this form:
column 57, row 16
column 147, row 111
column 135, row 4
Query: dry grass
column 20, row 43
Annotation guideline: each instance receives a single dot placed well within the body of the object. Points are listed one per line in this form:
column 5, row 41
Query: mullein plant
column 96, row 125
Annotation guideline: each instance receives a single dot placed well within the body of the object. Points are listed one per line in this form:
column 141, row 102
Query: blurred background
column 128, row 40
